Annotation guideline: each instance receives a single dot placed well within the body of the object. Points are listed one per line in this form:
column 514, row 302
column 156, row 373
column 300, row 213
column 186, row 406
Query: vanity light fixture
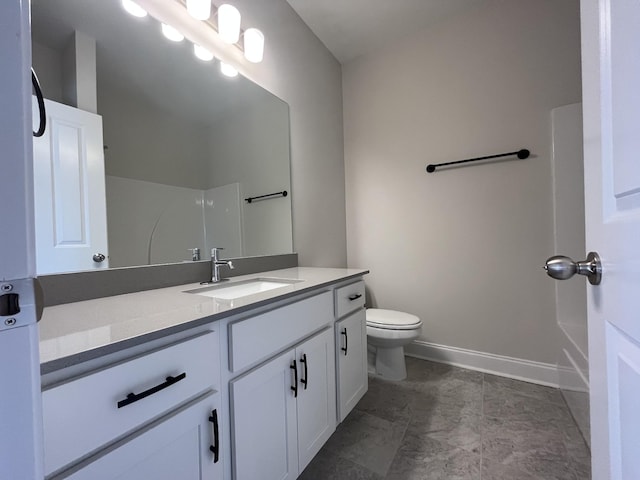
column 228, row 23
column 253, row 45
column 228, row 70
column 134, row 9
column 199, row 9
column 171, row 33
column 202, row 53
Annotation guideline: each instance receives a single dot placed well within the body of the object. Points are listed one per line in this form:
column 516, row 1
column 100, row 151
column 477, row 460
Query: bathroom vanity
column 210, row 382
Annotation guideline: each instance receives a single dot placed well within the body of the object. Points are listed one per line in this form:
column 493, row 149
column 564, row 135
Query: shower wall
column 571, row 296
column 151, row 223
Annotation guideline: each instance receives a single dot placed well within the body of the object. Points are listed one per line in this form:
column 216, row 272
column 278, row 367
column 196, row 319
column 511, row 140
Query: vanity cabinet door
column 351, row 354
column 265, row 443
column 316, row 402
column 178, row 446
column 278, row 424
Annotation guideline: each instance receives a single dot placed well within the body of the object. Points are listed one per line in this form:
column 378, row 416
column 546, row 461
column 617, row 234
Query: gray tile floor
column 444, row 422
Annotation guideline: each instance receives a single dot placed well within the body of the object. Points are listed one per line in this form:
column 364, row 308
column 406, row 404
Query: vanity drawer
column 82, row 414
column 349, row 298
column 257, row 338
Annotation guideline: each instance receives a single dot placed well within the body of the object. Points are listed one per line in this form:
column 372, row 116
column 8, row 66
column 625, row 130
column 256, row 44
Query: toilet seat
column 392, row 319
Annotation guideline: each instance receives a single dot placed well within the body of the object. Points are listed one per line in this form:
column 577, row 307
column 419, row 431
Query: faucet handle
column 230, row 264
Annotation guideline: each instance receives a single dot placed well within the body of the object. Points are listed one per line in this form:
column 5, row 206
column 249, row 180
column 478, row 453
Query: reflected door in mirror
column 70, row 209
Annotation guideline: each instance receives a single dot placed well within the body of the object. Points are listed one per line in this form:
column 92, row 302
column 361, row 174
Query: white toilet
column 388, row 331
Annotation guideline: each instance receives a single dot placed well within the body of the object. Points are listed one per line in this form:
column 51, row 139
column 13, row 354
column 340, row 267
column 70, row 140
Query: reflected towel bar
column 269, row 195
column 522, row 154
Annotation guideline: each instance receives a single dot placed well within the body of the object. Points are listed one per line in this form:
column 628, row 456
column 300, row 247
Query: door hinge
column 21, row 302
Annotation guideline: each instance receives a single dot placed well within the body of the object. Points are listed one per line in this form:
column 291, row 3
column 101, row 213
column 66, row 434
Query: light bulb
column 228, row 23
column 199, row 9
column 253, row 45
column 202, row 53
column 171, row 33
column 228, row 70
column 134, row 9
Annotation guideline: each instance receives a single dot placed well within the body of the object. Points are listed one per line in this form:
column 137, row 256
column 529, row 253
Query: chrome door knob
column 562, row 268
column 98, row 257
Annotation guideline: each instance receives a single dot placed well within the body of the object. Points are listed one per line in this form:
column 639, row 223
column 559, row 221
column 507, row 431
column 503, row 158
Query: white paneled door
column 69, row 187
column 611, row 102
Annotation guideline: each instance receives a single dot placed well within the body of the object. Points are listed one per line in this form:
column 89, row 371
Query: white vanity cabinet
column 253, row 395
column 351, row 347
column 148, row 416
column 284, row 410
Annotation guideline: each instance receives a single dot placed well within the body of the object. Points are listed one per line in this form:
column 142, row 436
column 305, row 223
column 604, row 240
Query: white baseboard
column 516, row 368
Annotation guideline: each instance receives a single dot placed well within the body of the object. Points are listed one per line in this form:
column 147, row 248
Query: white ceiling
column 349, row 28
column 132, row 55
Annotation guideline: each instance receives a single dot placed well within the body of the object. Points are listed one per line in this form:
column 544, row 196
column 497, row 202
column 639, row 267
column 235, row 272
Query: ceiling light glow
column 171, row 33
column 228, row 70
column 199, row 9
column 134, row 9
column 202, row 53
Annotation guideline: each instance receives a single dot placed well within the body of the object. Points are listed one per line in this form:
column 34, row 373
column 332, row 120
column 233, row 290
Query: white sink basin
column 231, row 291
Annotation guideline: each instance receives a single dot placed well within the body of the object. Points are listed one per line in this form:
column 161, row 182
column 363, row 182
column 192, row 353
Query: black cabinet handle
column 215, row 448
column 133, row 397
column 346, row 341
column 355, row 296
column 306, row 373
column 41, row 109
column 294, row 387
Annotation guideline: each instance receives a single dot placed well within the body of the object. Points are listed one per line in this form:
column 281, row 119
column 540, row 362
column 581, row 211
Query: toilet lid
column 391, row 319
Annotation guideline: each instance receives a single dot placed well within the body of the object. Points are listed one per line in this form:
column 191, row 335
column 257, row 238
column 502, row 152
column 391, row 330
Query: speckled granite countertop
column 75, row 332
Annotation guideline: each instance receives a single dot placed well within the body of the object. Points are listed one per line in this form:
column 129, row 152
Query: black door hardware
column 346, row 341
column 294, row 387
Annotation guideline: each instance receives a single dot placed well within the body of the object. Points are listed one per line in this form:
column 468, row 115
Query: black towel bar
column 269, row 195
column 522, row 154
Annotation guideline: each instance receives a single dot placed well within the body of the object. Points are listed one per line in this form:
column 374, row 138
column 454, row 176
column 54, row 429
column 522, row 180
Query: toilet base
column 388, row 363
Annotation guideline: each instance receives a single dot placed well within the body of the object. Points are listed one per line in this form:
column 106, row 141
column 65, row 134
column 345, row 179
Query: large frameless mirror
column 181, row 146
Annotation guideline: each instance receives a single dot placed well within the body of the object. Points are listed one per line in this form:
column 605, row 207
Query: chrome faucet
column 195, row 254
column 216, row 263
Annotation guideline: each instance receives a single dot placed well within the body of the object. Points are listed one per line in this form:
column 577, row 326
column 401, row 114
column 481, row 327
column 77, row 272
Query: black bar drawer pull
column 134, row 397
column 346, row 341
column 215, row 448
column 294, row 387
column 306, row 372
column 355, row 296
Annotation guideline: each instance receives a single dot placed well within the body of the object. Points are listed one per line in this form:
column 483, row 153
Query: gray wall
column 301, row 71
column 47, row 64
column 462, row 248
column 162, row 148
column 251, row 146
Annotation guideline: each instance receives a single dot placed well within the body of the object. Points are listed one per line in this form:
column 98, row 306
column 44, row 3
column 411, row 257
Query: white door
column 316, row 404
column 20, row 404
column 70, row 203
column 263, row 410
column 611, row 103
